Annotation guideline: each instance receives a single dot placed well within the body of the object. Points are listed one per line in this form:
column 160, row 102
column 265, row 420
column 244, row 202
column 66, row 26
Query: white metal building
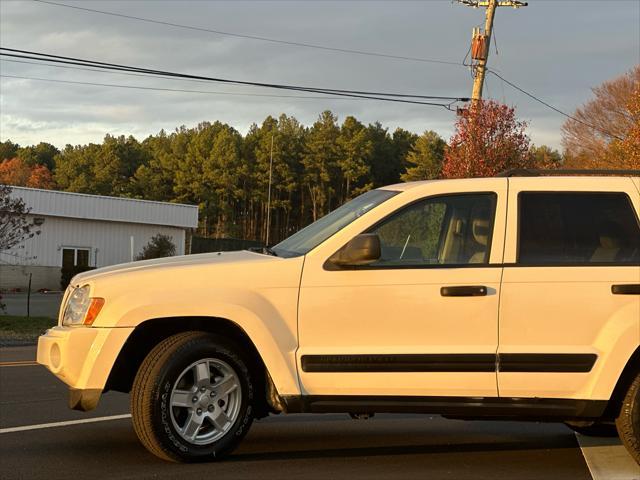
column 88, row 230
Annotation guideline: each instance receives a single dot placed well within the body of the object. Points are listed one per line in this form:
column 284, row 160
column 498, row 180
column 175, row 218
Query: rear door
column 569, row 308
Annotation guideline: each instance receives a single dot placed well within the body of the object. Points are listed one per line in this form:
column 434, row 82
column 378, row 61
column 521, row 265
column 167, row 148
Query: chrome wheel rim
column 205, row 401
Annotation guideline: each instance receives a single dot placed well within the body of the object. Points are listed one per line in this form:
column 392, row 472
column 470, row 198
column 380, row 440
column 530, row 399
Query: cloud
column 554, row 49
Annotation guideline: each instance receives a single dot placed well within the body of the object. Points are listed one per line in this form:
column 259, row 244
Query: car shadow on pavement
column 396, row 450
column 309, row 450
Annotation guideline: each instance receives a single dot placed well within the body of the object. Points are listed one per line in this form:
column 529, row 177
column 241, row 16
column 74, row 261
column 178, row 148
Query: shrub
column 159, row 246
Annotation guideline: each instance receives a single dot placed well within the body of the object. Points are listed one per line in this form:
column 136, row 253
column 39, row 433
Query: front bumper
column 82, row 357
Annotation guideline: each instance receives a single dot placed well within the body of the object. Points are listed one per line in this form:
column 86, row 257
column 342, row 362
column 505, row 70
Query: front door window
column 446, row 230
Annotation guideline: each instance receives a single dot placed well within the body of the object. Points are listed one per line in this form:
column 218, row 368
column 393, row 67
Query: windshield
column 309, row 237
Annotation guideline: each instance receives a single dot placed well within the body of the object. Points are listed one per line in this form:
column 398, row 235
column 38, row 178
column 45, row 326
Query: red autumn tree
column 16, row 172
column 41, row 177
column 488, row 139
column 13, row 171
column 605, row 131
column 631, row 143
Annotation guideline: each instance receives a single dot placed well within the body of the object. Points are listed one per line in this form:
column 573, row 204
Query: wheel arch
column 151, row 332
column 631, row 369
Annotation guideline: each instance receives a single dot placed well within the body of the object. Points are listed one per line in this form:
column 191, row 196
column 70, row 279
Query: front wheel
column 192, row 398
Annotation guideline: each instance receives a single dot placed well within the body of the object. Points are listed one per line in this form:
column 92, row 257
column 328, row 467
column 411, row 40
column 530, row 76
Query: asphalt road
column 295, row 446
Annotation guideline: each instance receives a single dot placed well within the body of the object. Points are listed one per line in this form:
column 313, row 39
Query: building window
column 75, row 257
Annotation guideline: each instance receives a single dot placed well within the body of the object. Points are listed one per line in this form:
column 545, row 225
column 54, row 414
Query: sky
column 557, row 50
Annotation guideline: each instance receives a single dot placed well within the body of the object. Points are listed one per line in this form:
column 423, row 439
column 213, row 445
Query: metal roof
column 111, row 209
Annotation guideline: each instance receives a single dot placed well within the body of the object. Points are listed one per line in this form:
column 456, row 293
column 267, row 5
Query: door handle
column 464, row 291
column 627, row 289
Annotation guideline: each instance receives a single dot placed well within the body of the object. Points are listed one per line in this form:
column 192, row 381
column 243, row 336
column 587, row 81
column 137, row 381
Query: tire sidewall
column 185, row 355
column 634, row 413
column 628, row 422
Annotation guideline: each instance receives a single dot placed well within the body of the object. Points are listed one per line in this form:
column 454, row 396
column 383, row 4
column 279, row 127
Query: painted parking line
column 608, row 459
column 18, row 364
column 63, row 424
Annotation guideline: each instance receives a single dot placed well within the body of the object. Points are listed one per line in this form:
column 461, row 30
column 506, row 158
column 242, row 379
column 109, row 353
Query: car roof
column 555, row 179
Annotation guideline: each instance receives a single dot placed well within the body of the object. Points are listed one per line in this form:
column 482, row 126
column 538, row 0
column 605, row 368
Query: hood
column 170, row 263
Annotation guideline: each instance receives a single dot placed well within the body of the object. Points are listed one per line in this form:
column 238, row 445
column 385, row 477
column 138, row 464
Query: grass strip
column 17, row 328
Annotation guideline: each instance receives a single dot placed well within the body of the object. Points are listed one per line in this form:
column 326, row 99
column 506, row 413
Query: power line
column 150, row 88
column 555, row 109
column 67, row 67
column 99, row 67
column 180, row 90
column 254, row 37
column 382, row 96
column 114, row 66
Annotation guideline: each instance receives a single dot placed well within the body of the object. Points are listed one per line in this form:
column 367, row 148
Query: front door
column 421, row 321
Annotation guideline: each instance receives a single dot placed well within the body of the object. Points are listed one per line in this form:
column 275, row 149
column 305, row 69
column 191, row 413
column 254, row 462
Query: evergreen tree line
column 315, row 169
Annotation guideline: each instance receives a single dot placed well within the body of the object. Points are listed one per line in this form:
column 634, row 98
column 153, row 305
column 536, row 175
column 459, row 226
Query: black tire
column 628, row 422
column 155, row 380
column 594, row 429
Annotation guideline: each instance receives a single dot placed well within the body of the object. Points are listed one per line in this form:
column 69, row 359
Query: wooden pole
column 481, row 67
column 269, row 194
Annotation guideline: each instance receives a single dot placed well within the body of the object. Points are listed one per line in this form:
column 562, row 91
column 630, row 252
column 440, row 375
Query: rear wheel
column 192, row 398
column 628, row 422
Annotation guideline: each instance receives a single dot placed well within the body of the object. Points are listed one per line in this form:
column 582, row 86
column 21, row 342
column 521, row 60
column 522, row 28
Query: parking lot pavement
column 18, row 354
column 295, row 446
column 40, row 304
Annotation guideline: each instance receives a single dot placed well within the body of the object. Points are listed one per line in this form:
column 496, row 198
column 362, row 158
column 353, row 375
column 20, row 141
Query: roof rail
column 535, row 172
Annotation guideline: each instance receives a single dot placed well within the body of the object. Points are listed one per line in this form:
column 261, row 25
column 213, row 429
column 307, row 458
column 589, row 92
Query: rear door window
column 557, row 228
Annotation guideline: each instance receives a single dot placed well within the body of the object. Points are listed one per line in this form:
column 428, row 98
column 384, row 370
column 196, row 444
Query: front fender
column 267, row 316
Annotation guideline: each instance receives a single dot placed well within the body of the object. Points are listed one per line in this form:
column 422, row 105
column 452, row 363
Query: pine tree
column 355, row 149
column 222, row 174
column 320, row 163
column 385, row 168
column 425, row 159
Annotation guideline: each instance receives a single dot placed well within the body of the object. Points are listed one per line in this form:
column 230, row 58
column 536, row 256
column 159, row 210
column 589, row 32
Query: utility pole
column 269, row 194
column 481, row 41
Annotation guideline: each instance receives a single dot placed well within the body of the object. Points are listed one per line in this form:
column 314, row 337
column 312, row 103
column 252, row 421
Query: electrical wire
column 555, row 109
column 180, row 90
column 383, row 96
column 494, row 39
column 319, row 47
column 254, row 37
column 67, row 67
column 113, row 66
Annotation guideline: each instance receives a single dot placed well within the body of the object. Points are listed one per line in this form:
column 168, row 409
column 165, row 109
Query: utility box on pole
column 479, row 47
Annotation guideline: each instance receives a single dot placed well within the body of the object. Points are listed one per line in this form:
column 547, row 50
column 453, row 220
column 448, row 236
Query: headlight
column 81, row 309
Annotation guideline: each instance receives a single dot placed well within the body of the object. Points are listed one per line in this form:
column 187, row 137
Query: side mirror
column 360, row 250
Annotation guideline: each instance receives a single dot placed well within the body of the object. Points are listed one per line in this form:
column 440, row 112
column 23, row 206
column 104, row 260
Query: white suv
column 510, row 297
